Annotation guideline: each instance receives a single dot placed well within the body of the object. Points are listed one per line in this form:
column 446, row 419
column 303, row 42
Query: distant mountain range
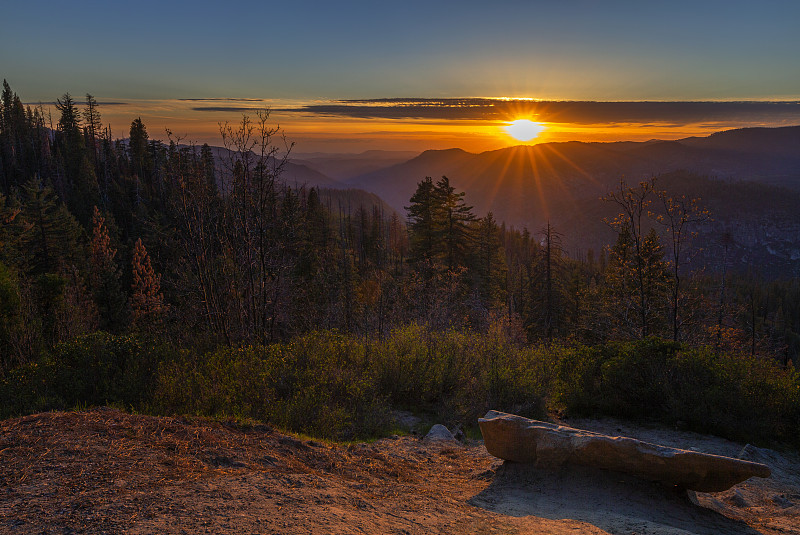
column 294, row 174
column 529, row 184
column 345, row 166
column 748, row 178
column 336, row 195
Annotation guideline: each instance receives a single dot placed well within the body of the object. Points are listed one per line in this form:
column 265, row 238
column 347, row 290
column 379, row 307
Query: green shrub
column 458, row 376
column 577, row 386
column 737, row 396
column 29, row 388
column 338, row 386
column 635, row 378
column 102, row 368
column 96, row 369
column 517, row 380
column 317, row 384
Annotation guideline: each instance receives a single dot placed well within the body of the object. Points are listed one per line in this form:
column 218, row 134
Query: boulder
column 440, row 433
column 518, row 439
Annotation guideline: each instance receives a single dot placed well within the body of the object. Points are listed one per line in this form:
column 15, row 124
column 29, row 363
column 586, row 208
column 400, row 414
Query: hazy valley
column 748, row 179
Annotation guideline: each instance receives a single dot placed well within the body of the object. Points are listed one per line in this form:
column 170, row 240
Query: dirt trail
column 104, row 471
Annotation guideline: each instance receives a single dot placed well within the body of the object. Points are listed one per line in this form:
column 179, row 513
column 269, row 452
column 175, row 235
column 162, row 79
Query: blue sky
column 572, row 49
column 563, row 50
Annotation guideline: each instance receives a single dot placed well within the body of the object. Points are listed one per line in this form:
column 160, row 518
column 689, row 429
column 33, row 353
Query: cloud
column 221, row 99
column 238, row 109
column 78, row 103
column 574, row 112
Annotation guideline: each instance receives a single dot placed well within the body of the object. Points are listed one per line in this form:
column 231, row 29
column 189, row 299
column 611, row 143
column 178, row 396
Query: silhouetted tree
column 49, row 237
column 423, row 225
column 93, row 128
column 636, row 284
column 454, row 219
column 489, row 263
column 139, row 158
column 630, row 250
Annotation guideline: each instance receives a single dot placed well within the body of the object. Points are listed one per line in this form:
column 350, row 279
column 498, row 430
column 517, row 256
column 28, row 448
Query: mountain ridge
column 562, row 183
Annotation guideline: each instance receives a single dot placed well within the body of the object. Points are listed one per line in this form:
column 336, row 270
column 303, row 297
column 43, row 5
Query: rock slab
column 518, row 439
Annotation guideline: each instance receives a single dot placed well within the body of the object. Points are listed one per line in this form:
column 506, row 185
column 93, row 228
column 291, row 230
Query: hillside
column 104, row 471
column 543, row 173
column 334, row 194
column 294, row 174
column 759, row 223
column 348, row 201
column 749, row 179
column 344, row 166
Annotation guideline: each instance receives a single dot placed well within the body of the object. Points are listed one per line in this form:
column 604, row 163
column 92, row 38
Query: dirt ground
column 105, row 471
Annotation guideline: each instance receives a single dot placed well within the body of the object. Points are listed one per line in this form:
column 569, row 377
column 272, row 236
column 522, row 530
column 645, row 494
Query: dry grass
column 105, row 471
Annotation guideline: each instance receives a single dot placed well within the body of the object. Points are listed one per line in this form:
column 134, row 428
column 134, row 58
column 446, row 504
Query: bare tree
column 633, row 203
column 199, row 212
column 254, row 232
column 679, row 217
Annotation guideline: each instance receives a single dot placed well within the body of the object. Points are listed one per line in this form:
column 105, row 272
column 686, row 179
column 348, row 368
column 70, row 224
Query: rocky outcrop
column 519, row 439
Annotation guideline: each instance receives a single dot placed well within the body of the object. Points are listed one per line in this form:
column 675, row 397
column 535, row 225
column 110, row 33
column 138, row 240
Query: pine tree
column 440, row 226
column 49, row 237
column 104, row 276
column 147, row 302
column 423, row 225
column 6, row 144
column 69, row 145
column 455, row 224
column 93, row 129
column 69, row 122
column 641, row 253
column 637, row 285
column 489, row 262
column 139, row 158
column 208, row 166
column 656, row 281
column 18, row 158
column 80, row 190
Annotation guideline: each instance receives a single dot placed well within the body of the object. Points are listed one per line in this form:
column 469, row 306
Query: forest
column 171, row 278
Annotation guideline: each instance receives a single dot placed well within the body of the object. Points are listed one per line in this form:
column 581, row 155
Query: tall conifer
column 147, row 301
column 105, row 276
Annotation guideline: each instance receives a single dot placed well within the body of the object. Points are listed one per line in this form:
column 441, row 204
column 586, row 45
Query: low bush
column 29, row 388
column 338, row 386
column 101, row 368
column 737, row 396
column 95, row 369
column 458, row 376
column 317, row 384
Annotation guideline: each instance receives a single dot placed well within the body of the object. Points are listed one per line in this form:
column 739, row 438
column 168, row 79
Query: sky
column 187, row 66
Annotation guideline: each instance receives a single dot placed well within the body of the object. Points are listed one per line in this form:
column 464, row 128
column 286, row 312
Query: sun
column 523, row 129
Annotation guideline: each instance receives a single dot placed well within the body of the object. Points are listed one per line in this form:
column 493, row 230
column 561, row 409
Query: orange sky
column 147, row 59
column 312, row 131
